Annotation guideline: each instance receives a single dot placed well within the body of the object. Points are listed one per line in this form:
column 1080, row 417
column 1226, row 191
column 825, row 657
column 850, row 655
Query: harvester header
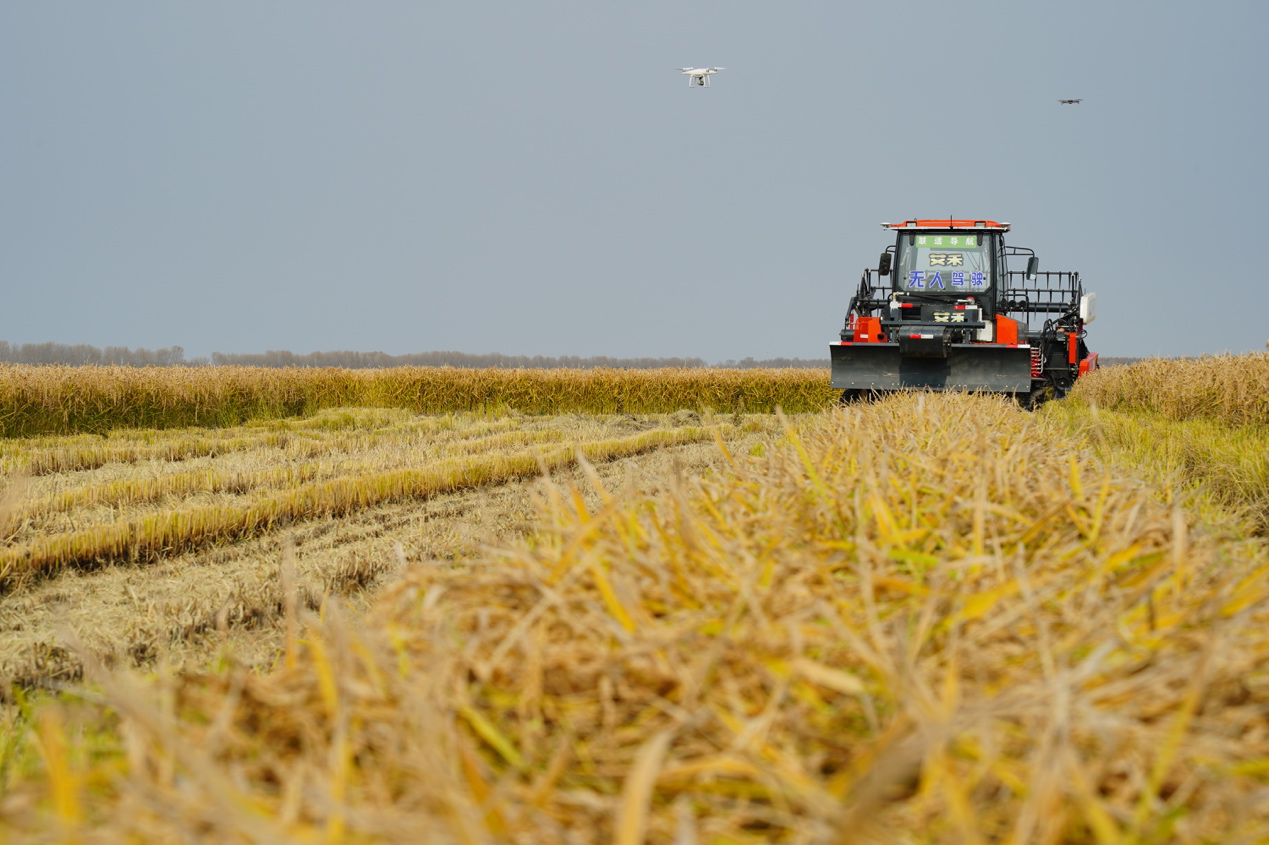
column 946, row 312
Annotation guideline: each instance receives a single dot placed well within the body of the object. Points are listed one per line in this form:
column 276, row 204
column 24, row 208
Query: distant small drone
column 699, row 75
column 1070, row 102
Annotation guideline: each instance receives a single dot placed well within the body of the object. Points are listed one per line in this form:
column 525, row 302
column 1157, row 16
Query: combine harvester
column 955, row 317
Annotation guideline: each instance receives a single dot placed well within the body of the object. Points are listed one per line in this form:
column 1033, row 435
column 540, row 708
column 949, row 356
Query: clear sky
column 537, row 178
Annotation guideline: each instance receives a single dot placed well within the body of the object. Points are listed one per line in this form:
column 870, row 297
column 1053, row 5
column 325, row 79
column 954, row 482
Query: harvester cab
column 946, row 312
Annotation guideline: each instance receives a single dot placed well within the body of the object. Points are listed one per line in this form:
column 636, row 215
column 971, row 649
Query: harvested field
column 934, row 618
column 151, row 543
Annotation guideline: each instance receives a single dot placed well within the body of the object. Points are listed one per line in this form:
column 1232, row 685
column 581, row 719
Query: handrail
column 1050, row 292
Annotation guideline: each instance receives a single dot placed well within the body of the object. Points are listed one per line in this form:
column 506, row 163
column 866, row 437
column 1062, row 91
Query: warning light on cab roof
column 948, row 224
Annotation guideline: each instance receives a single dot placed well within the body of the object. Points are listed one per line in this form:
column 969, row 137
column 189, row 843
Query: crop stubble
column 184, row 597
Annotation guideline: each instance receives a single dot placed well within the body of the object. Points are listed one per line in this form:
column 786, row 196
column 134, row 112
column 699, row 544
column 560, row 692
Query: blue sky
column 538, row 179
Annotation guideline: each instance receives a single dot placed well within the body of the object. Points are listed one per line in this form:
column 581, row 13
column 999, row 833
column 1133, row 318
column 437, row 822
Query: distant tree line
column 776, row 363
column 82, row 355
column 78, row 355
column 376, row 360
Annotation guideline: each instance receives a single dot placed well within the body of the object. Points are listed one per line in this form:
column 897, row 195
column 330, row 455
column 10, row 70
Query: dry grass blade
column 12, row 499
column 632, row 814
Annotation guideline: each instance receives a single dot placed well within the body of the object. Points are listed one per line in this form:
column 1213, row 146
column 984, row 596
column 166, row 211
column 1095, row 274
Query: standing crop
column 63, row 400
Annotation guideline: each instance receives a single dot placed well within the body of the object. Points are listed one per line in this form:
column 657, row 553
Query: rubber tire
column 1039, row 395
column 852, row 397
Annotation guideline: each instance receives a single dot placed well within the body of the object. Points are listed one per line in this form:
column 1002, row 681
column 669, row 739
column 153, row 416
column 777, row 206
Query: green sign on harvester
column 947, row 240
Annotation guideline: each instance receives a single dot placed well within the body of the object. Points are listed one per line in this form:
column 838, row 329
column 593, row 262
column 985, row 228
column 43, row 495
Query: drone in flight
column 699, row 75
column 1070, row 102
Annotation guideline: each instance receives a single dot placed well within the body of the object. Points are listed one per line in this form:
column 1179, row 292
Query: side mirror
column 1033, row 267
column 883, row 266
column 1088, row 307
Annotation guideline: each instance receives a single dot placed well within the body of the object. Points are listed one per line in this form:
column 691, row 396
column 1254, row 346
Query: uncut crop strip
column 125, row 492
column 163, row 533
column 62, row 400
column 1231, row 388
column 1225, row 465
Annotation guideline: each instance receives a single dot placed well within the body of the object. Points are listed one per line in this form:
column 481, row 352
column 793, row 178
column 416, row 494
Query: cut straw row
column 132, row 490
column 166, row 532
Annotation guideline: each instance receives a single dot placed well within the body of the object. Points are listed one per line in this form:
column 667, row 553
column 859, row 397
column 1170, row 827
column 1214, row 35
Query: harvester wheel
column 1038, row 396
column 850, row 397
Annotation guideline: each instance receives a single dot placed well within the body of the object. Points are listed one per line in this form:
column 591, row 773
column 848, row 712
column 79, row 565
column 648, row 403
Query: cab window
column 944, row 263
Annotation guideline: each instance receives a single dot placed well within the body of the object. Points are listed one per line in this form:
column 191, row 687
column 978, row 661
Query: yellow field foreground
column 936, row 618
column 63, row 400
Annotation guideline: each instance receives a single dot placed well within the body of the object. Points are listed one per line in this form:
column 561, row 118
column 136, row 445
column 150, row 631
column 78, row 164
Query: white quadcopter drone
column 699, row 75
